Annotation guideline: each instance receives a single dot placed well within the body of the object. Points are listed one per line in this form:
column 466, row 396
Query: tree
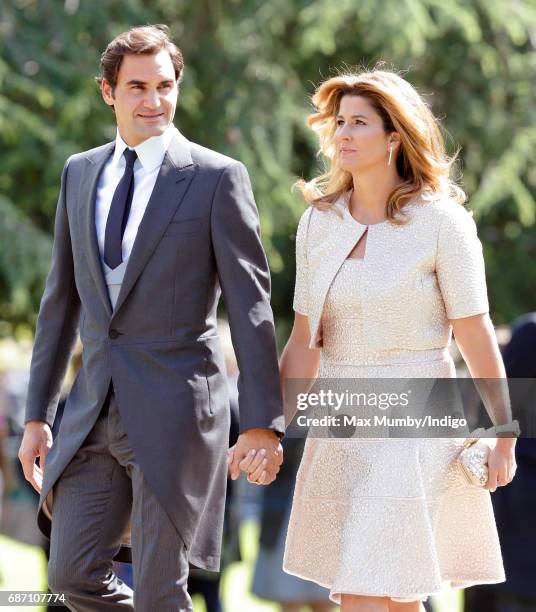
column 250, row 69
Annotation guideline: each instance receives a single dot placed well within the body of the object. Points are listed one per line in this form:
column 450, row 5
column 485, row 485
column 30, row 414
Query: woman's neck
column 370, row 193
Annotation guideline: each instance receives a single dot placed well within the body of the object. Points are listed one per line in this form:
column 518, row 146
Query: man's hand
column 36, row 442
column 257, row 452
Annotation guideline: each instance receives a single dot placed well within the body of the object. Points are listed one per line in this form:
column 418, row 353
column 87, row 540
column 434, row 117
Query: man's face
column 145, row 96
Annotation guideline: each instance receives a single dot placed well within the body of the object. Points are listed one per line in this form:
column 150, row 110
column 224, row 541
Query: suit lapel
column 87, row 199
column 173, row 180
column 326, row 259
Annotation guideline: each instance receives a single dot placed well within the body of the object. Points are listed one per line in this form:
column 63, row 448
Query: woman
column 388, row 265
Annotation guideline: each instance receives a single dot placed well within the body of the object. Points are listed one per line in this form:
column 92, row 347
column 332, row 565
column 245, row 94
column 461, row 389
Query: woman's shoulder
column 305, row 216
column 440, row 210
column 315, row 219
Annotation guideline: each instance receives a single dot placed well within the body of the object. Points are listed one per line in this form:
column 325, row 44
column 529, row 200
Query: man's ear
column 107, row 92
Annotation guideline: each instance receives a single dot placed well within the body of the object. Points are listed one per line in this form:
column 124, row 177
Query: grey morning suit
column 159, row 348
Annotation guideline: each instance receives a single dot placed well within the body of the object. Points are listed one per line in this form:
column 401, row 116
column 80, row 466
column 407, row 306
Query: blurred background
column 251, row 66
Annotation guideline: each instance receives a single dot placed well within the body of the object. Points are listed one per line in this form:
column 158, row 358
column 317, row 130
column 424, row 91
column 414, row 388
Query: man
column 148, row 228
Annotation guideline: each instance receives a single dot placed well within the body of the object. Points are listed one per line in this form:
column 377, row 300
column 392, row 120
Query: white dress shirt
column 150, row 153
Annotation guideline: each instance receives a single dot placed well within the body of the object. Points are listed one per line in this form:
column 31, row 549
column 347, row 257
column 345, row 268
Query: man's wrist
column 261, row 429
column 30, row 421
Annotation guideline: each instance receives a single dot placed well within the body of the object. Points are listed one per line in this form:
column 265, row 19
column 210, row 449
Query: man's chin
column 155, row 130
column 147, row 131
column 144, row 132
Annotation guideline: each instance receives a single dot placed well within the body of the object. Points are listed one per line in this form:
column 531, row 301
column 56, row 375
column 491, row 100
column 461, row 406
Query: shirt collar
column 150, row 152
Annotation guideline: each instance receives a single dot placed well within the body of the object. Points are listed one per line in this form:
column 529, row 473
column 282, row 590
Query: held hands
column 36, row 442
column 501, row 464
column 257, row 452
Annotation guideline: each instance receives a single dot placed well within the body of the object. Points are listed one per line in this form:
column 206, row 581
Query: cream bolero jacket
column 415, row 277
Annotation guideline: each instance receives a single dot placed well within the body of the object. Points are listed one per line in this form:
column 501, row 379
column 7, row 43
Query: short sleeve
column 301, row 289
column 460, row 265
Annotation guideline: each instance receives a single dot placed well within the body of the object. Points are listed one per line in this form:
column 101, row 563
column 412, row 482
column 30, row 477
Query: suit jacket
column 199, row 237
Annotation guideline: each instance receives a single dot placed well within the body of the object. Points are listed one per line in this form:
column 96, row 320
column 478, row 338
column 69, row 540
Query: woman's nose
column 343, row 133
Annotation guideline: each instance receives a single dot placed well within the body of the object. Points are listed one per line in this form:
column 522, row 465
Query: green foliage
column 251, row 66
column 25, row 261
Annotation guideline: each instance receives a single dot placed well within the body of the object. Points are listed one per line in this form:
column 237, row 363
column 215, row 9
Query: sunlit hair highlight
column 421, row 159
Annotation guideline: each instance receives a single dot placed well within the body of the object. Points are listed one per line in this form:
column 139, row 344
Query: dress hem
column 453, row 583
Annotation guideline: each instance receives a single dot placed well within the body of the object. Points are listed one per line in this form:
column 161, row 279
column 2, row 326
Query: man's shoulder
column 90, row 155
column 210, row 160
column 203, row 157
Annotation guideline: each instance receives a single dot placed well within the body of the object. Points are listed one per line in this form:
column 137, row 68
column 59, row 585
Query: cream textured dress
column 389, row 517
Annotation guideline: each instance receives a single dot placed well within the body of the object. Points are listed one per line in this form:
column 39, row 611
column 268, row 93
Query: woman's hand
column 259, row 453
column 501, row 464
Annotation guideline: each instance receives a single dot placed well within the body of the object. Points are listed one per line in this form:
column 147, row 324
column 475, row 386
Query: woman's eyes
column 357, row 121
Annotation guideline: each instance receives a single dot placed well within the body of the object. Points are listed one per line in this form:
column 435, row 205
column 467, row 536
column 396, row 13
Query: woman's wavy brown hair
column 421, row 158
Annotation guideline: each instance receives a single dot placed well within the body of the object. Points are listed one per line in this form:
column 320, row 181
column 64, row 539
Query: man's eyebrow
column 137, row 82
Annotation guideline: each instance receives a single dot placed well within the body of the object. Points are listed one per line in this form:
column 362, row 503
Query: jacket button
column 113, row 334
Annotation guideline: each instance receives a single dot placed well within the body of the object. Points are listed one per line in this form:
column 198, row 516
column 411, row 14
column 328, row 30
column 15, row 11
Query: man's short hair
column 142, row 40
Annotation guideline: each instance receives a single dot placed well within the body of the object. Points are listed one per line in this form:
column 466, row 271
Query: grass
column 23, row 567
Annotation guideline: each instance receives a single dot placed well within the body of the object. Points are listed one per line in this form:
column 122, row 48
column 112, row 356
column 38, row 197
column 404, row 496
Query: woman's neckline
column 417, row 200
column 346, row 203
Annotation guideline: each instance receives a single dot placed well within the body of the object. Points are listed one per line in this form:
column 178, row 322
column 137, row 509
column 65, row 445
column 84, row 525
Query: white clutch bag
column 473, row 459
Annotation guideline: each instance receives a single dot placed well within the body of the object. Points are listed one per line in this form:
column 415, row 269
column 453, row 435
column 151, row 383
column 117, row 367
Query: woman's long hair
column 421, row 158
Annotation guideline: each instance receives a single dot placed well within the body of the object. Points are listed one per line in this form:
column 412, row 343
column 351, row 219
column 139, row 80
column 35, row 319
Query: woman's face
column 360, row 140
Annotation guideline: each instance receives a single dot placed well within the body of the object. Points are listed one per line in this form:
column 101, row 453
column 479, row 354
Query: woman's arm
column 475, row 337
column 298, row 367
column 298, row 361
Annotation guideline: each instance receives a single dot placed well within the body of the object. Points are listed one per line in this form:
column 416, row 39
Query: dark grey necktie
column 119, row 211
